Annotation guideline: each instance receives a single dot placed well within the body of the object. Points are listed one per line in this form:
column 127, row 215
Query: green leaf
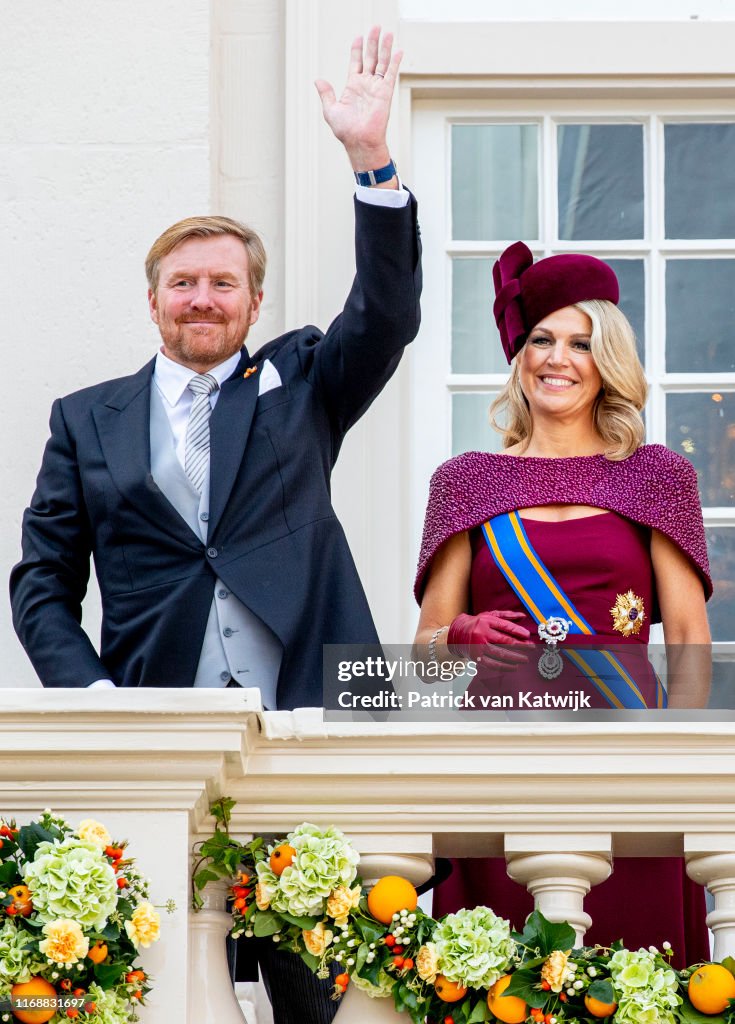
column 110, row 932
column 106, row 975
column 9, row 874
column 221, row 809
column 524, row 984
column 369, row 930
column 371, row 972
column 729, row 964
column 266, row 923
column 361, row 957
column 602, row 989
column 545, row 936
column 201, row 878
column 30, row 837
column 687, row 1014
column 307, row 923
column 311, row 961
column 480, row 1013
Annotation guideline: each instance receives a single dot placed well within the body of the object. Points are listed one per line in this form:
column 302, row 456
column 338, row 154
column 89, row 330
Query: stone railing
column 556, row 798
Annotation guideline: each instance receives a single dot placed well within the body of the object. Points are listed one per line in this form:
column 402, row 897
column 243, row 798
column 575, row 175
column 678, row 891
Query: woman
column 574, row 539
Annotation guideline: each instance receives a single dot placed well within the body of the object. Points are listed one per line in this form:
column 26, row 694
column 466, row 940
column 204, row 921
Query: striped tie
column 196, row 455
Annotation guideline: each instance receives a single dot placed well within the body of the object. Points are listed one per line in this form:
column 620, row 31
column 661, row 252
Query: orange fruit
column 98, row 952
column 389, row 895
column 710, row 988
column 35, row 988
column 449, row 991
column 509, row 1009
column 21, row 896
column 281, row 858
column 599, row 1009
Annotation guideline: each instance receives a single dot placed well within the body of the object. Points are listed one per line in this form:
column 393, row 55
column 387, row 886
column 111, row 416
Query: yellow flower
column 427, row 963
column 65, row 943
column 262, row 897
column 144, row 927
column 555, row 969
column 317, row 940
column 341, row 901
column 92, row 832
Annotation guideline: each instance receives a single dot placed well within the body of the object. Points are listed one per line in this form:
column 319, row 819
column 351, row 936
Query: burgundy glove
column 481, row 638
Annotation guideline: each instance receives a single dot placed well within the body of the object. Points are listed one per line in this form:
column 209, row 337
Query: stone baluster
column 559, row 871
column 211, row 995
column 356, row 1007
column 710, row 861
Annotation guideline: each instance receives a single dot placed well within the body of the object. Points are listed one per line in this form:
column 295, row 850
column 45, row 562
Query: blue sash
column 542, row 596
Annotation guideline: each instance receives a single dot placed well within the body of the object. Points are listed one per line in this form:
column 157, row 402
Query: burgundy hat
column 526, row 292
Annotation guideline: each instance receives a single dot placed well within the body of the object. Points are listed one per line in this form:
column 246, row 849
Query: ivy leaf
column 687, row 1014
column 201, row 878
column 311, row 961
column 362, row 951
column 107, row 975
column 110, row 932
column 524, row 984
column 370, row 972
column 30, row 837
column 266, row 923
column 546, row 936
column 8, row 874
column 221, row 810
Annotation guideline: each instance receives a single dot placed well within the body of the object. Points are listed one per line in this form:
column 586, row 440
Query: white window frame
column 432, row 383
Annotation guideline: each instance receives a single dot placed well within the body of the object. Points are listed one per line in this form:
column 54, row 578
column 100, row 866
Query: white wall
column 104, row 141
column 568, row 10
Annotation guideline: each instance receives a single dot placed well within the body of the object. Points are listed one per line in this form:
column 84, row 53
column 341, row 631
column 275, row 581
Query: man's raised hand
column 359, row 118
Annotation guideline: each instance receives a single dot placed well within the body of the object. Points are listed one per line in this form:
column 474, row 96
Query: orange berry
column 21, row 896
column 281, row 858
column 342, row 980
column 65, row 984
column 449, row 991
column 136, row 995
column 133, row 976
column 98, row 952
column 563, row 997
column 12, row 910
column 390, row 941
column 449, row 1020
column 408, row 964
column 122, row 882
column 79, row 992
column 90, row 1007
column 398, row 962
column 114, row 852
column 240, row 903
column 545, row 986
column 72, row 1012
column 389, row 895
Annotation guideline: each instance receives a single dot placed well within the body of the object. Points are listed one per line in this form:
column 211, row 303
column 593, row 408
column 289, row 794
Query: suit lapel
column 228, row 432
column 123, row 428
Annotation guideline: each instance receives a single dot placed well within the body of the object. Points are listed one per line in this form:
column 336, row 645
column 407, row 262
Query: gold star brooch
column 628, row 614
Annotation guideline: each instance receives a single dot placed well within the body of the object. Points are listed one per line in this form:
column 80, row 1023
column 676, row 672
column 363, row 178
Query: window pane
column 699, row 180
column 702, row 427
column 494, row 181
column 700, row 313
column 721, row 549
column 471, row 430
column 632, row 278
column 476, row 344
column 600, row 181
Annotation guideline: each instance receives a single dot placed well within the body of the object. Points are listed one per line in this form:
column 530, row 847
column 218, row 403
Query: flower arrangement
column 74, row 913
column 469, row 967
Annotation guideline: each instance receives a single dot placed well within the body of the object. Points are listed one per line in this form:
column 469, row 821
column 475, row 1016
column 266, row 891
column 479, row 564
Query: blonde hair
column 208, row 227
column 617, row 410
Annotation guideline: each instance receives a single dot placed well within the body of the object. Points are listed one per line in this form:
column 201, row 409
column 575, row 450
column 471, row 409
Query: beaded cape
column 654, row 486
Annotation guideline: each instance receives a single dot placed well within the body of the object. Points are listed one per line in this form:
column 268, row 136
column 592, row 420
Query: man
column 201, row 484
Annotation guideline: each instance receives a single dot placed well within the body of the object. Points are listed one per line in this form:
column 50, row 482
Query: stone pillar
column 559, row 880
column 711, row 862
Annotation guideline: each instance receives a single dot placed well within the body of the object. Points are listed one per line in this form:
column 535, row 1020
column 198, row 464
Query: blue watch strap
column 376, row 177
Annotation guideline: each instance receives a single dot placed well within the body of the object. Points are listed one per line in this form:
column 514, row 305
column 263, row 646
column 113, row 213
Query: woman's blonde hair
column 617, row 409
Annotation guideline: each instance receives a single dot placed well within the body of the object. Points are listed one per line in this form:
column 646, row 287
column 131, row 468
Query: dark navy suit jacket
column 273, row 539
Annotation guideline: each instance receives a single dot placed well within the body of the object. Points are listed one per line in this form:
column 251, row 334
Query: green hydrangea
column 110, row 1007
column 645, row 987
column 16, row 963
column 382, row 990
column 324, row 859
column 72, row 879
column 474, row 947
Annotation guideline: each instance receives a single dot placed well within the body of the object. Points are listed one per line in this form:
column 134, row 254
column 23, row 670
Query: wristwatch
column 376, row 177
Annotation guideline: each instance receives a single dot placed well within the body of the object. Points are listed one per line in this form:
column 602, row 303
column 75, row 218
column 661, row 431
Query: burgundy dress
column 594, row 558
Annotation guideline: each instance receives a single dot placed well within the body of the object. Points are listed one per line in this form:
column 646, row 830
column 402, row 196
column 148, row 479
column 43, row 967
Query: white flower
column 92, row 831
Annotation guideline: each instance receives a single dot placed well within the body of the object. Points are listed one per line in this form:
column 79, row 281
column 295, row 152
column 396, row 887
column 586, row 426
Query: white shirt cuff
column 392, row 197
column 102, row 684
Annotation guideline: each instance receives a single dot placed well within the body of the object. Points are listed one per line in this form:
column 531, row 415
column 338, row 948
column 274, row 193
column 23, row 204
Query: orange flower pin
column 250, row 369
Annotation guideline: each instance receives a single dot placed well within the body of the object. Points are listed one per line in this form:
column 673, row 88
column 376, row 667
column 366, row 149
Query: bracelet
column 376, row 177
column 432, row 643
